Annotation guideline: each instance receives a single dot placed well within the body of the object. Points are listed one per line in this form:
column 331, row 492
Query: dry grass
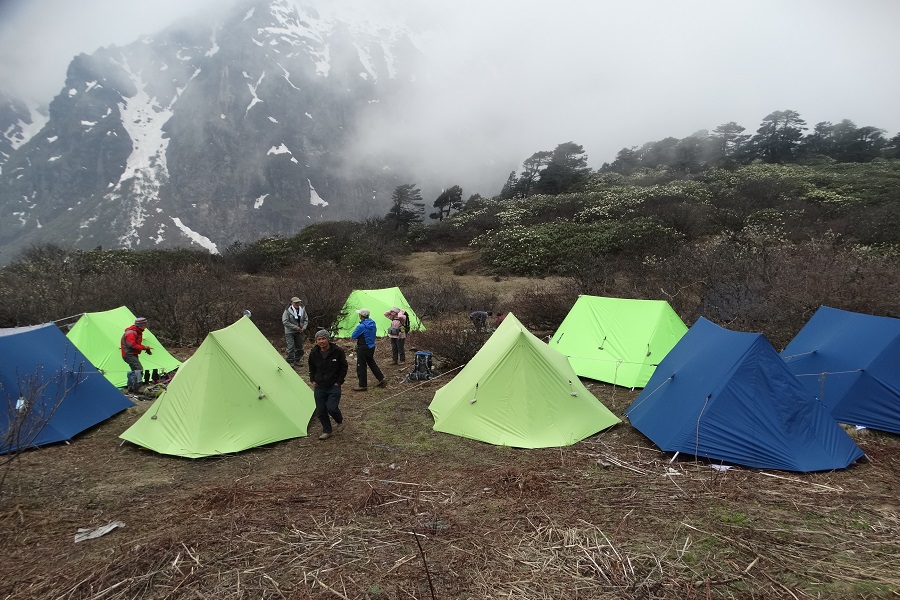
column 609, row 517
column 425, row 265
column 391, row 509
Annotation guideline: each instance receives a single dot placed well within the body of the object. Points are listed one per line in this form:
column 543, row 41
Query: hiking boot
column 339, row 427
column 394, row 362
column 381, row 383
column 361, row 388
column 324, row 436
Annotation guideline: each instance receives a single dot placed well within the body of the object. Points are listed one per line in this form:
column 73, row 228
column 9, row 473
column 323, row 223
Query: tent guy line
column 823, row 373
column 664, row 382
column 409, row 389
column 67, row 318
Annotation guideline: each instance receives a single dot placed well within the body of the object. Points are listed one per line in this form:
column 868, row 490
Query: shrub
column 324, row 290
column 440, row 236
column 186, row 302
column 451, row 340
column 48, row 283
column 542, row 308
column 560, row 248
column 440, row 297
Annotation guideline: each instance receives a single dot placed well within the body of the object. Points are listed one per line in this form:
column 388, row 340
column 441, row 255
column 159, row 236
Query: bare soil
column 391, row 509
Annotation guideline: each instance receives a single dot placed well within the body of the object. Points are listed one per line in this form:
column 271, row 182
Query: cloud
column 508, row 79
column 39, row 38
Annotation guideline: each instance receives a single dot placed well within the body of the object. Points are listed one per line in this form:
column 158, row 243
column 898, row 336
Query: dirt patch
column 391, row 509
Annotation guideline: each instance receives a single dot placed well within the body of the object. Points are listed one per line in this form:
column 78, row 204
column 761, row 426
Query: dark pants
column 397, row 349
column 135, row 374
column 327, row 400
column 294, row 342
column 365, row 357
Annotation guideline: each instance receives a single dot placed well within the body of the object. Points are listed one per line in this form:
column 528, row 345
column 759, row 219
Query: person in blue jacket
column 364, row 334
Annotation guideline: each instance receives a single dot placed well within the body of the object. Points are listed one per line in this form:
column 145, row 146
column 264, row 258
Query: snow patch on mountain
column 20, row 132
column 287, row 77
column 146, row 169
column 253, row 89
column 195, row 237
column 366, row 59
column 299, row 30
column 214, row 47
column 314, row 198
column 282, row 149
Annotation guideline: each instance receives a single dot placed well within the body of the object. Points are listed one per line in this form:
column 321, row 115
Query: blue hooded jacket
column 365, row 332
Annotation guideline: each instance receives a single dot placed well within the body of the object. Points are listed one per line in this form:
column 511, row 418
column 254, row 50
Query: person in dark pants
column 364, row 334
column 327, row 370
column 131, row 345
column 397, row 332
column 295, row 321
column 479, row 319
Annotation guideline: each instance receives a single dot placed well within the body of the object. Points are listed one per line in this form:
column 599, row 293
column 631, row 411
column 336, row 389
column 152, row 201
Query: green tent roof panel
column 618, row 340
column 518, row 391
column 236, row 392
column 378, row 302
column 98, row 336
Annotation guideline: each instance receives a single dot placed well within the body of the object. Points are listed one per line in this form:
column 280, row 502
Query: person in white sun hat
column 295, row 321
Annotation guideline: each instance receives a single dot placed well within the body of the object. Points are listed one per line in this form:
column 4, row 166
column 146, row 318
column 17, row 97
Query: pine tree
column 566, row 169
column 450, row 199
column 778, row 136
column 509, row 188
column 407, row 208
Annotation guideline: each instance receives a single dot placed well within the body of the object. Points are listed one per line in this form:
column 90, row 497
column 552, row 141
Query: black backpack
column 405, row 322
column 404, row 326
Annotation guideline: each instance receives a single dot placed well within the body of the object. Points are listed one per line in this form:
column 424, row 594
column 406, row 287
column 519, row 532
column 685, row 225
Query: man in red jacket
column 131, row 345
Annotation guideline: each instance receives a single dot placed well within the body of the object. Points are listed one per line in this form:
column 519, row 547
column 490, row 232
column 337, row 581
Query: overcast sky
column 525, row 75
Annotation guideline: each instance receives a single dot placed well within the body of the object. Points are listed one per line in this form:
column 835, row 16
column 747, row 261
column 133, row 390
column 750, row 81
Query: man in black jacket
column 327, row 370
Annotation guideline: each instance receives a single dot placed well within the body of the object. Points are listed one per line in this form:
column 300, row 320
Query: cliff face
column 206, row 134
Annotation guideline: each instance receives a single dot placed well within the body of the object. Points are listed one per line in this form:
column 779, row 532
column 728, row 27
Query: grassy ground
column 607, row 517
column 391, row 509
column 428, row 264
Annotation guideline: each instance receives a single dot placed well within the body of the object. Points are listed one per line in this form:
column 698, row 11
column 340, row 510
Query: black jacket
column 329, row 367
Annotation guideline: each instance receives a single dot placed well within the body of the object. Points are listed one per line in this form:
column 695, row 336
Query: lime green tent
column 378, row 302
column 235, row 392
column 618, row 340
column 518, row 391
column 98, row 335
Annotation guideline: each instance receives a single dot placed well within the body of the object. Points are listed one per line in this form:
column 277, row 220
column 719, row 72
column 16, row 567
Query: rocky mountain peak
column 205, row 134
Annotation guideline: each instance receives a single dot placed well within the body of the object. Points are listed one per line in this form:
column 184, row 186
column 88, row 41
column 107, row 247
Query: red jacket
column 132, row 341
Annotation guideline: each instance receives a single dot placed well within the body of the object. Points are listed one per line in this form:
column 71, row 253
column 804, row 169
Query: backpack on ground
column 421, row 370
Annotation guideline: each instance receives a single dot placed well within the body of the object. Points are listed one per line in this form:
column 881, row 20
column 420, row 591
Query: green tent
column 378, row 302
column 618, row 340
column 235, row 392
column 98, row 336
column 518, row 391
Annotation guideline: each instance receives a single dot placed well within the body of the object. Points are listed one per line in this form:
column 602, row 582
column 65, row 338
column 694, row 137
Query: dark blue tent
column 728, row 396
column 851, row 362
column 49, row 391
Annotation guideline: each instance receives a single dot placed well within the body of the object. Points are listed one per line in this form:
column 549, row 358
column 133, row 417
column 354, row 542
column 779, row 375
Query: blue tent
column 851, row 362
column 49, row 391
column 729, row 397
